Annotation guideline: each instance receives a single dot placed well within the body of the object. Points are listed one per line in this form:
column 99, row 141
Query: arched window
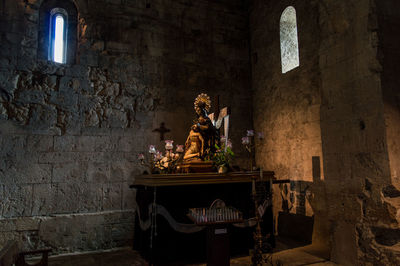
column 58, row 31
column 289, row 41
column 58, row 35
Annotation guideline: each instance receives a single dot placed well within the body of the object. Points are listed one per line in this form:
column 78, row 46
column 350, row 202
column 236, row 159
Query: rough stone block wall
column 388, row 54
column 347, row 82
column 351, row 121
column 388, row 51
column 355, row 143
column 69, row 134
column 286, row 106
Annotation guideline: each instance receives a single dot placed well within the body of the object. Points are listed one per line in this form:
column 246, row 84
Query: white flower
column 246, row 140
column 223, row 139
column 229, row 144
column 152, row 149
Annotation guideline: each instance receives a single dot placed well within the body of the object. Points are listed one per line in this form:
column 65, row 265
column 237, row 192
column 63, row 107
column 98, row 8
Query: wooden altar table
column 163, row 232
column 159, row 180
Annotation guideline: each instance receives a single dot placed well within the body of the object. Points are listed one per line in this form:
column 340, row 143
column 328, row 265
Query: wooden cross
column 223, row 116
column 162, row 130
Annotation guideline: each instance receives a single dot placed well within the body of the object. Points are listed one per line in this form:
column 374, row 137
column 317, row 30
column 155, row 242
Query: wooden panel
column 201, row 178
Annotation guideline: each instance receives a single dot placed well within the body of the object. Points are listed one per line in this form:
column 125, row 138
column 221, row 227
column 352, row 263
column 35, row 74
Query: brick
column 18, row 200
column 123, row 170
column 39, row 143
column 128, row 196
column 91, row 198
column 68, row 197
column 8, row 225
column 98, row 172
column 65, row 143
column 112, row 196
column 27, row 224
column 33, row 173
column 71, row 172
column 58, row 157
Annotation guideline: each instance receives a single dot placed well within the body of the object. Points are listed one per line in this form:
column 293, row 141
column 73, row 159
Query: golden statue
column 194, row 146
column 202, row 136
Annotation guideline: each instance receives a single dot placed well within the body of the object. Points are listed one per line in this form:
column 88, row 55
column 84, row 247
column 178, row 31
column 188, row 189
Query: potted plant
column 223, row 156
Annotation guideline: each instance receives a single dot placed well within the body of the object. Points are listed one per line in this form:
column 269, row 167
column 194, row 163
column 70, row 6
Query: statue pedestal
column 195, row 167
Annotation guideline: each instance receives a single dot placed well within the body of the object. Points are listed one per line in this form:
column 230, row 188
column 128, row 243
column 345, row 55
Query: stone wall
column 287, row 106
column 354, row 133
column 387, row 15
column 388, row 54
column 352, row 124
column 348, row 58
column 70, row 133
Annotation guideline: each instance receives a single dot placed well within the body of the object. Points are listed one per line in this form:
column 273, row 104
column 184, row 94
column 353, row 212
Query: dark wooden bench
column 10, row 255
column 43, row 262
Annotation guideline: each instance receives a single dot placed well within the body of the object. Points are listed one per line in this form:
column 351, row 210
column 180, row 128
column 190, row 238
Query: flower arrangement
column 223, row 155
column 249, row 143
column 157, row 162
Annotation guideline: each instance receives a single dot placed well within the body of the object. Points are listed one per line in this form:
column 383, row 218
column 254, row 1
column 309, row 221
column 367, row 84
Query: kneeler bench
column 9, row 255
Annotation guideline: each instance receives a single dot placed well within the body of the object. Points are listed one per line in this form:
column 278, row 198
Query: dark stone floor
column 122, row 257
column 128, row 257
column 286, row 253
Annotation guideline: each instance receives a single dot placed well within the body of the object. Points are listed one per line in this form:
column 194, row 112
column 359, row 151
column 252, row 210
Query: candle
column 169, row 144
column 179, row 148
column 158, row 155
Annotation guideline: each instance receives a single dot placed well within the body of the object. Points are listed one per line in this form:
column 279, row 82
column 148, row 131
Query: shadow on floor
column 118, row 257
column 287, row 252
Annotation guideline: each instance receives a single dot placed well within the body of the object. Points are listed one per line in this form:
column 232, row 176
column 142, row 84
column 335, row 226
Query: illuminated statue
column 201, row 140
column 194, row 146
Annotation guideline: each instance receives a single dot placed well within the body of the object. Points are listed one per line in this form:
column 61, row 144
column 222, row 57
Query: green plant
column 223, row 155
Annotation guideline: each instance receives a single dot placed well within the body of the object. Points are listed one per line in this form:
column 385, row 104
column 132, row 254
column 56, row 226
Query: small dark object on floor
column 43, row 262
column 8, row 253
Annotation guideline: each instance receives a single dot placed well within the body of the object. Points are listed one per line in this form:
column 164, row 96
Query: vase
column 222, row 169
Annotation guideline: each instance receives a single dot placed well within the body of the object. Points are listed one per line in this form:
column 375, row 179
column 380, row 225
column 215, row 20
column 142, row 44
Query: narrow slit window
column 58, row 43
column 58, row 55
column 289, row 40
